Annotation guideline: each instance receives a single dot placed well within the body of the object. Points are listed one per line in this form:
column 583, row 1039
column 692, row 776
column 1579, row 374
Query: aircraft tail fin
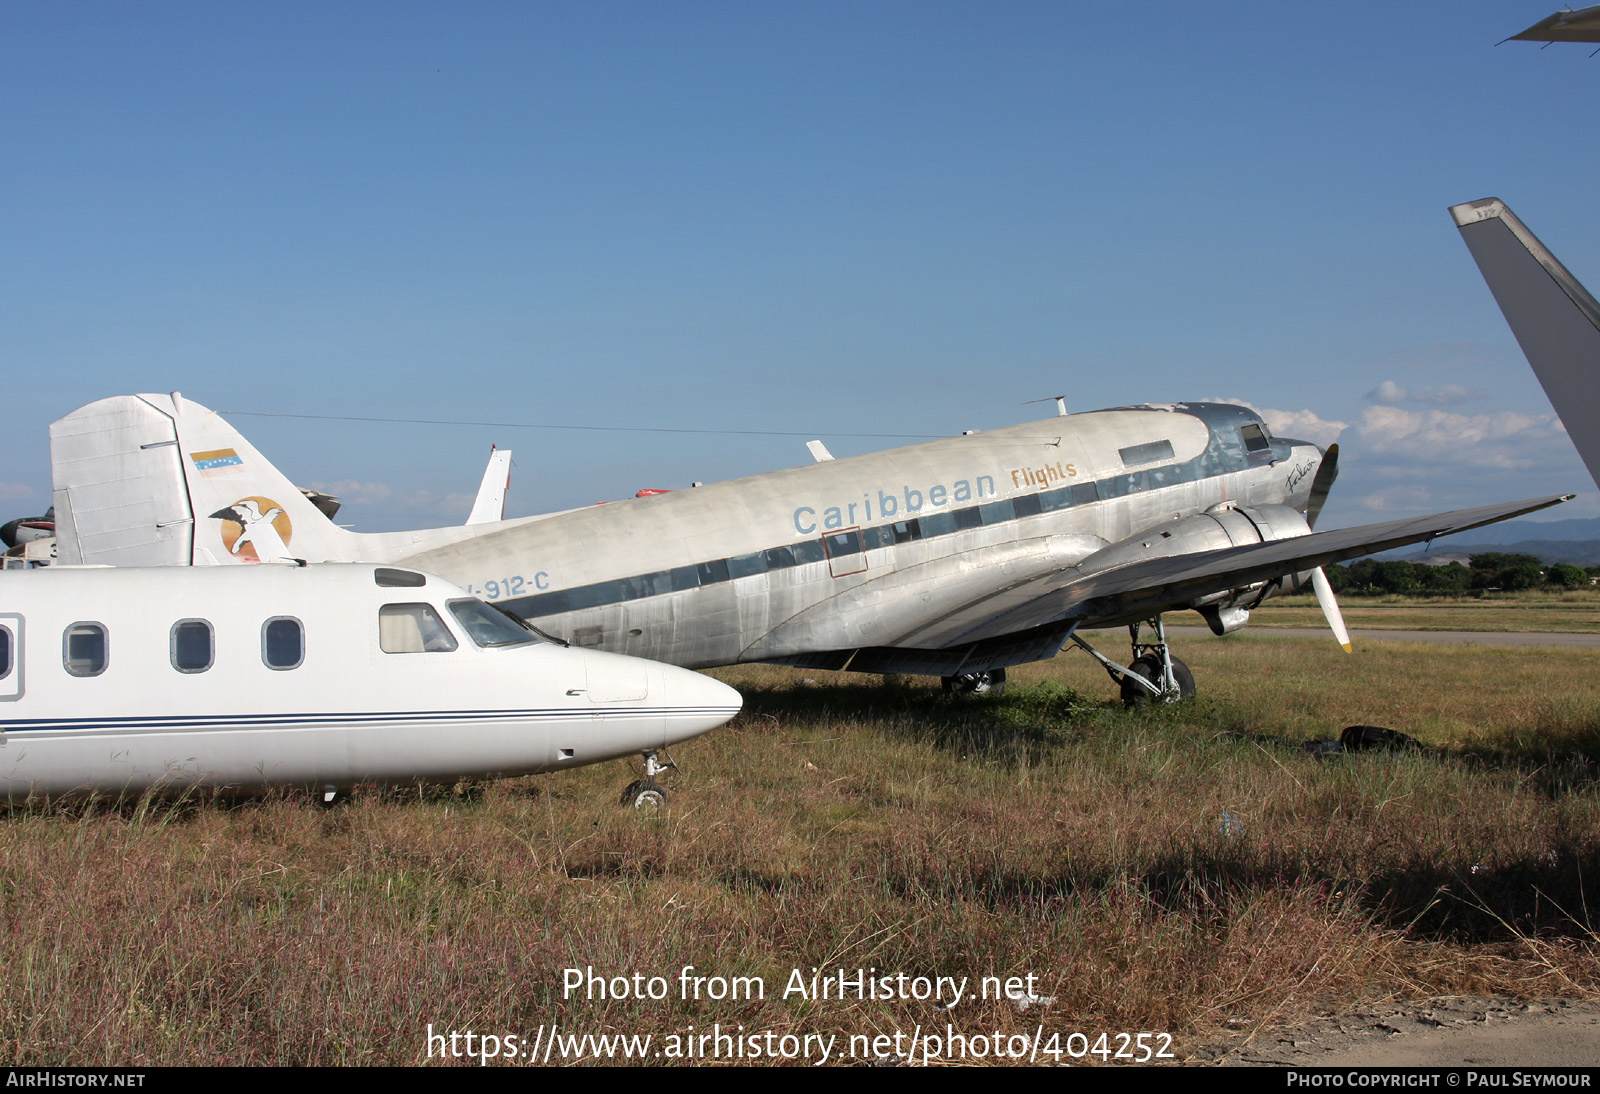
column 157, row 480
column 1555, row 319
column 490, row 504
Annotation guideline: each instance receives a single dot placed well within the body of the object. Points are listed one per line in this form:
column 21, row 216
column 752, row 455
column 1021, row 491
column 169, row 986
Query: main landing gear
column 992, row 682
column 1154, row 675
column 646, row 794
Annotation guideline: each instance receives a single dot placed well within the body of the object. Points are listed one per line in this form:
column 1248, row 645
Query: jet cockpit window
column 413, row 628
column 398, row 579
column 283, row 643
column 1255, row 438
column 191, row 645
column 486, row 626
column 84, row 649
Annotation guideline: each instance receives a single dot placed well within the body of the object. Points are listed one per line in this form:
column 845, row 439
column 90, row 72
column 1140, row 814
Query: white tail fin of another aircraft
column 490, row 504
column 155, row 480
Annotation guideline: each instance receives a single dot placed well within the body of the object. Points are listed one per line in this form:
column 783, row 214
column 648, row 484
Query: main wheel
column 992, row 682
column 1185, row 679
column 1148, row 667
column 644, row 794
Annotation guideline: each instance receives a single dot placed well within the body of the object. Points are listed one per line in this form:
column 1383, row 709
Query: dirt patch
column 1451, row 1031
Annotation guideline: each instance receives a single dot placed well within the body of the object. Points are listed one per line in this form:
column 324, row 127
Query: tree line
column 1491, row 570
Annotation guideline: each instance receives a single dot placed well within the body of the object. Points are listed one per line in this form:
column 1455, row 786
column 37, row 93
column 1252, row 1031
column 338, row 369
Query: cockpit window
column 413, row 628
column 1146, row 453
column 486, row 626
column 1255, row 438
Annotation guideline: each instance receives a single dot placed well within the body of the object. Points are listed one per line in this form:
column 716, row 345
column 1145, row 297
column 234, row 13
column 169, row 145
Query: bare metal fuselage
column 812, row 564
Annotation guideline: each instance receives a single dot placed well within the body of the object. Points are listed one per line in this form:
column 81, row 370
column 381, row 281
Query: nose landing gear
column 646, row 794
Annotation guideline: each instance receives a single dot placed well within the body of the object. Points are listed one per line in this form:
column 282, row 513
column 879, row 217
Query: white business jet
column 125, row 680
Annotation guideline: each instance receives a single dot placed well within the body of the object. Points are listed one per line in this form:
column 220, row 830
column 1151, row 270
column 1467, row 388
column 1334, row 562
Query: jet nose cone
column 699, row 703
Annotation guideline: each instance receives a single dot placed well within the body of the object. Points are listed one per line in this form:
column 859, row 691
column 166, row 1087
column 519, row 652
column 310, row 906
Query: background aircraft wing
column 1556, row 321
column 1582, row 25
column 1174, row 581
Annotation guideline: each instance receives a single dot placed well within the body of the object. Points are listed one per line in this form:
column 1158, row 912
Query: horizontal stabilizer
column 1555, row 320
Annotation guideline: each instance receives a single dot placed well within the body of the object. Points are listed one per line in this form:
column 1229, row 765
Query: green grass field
column 1184, row 870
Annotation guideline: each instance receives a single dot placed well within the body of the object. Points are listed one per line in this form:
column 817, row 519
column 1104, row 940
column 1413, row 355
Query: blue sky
column 846, row 221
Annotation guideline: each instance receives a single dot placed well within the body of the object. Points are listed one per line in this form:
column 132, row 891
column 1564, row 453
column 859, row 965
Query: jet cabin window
column 191, row 645
column 413, row 628
column 83, row 649
column 283, row 643
column 5, row 652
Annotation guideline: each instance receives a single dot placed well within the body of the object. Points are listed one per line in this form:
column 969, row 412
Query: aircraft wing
column 1555, row 320
column 1582, row 25
column 1171, row 582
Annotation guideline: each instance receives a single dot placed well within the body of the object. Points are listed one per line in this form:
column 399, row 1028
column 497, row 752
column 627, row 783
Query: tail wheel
column 992, row 682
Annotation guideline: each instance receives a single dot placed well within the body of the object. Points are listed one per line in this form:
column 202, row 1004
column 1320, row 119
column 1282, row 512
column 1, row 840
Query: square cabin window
column 84, row 649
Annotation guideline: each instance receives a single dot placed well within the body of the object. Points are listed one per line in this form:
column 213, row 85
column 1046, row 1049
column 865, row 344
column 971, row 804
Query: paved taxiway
column 1461, row 638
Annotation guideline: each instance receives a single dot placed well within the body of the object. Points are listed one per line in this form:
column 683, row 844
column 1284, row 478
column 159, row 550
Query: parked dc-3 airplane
column 954, row 558
column 124, row 680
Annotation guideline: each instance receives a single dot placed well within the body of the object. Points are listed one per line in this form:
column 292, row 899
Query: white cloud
column 445, row 508
column 1390, row 393
column 1505, row 440
column 1405, row 499
column 351, row 492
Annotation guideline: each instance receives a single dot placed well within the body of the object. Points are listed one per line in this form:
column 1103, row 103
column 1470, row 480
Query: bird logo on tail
column 256, row 530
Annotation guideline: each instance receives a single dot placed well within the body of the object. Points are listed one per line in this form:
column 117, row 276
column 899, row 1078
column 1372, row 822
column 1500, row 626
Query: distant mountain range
column 1574, row 541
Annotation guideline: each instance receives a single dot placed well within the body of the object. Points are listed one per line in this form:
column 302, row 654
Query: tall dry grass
column 1175, row 870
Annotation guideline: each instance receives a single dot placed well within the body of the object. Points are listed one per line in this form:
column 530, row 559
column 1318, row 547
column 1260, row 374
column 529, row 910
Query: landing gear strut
column 1154, row 674
column 646, row 793
column 992, row 682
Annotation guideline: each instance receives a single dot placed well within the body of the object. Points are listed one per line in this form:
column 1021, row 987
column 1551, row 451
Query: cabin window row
column 86, row 646
column 402, row 628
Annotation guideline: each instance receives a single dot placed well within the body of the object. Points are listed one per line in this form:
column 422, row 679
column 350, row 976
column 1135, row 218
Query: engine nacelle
column 1224, row 525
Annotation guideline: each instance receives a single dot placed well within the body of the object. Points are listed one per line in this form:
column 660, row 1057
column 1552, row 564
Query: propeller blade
column 1330, row 607
column 1327, row 471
